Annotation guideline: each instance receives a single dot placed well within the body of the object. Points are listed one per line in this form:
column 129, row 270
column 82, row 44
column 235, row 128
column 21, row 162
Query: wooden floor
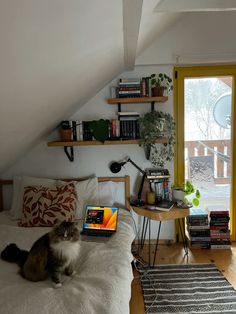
column 174, row 254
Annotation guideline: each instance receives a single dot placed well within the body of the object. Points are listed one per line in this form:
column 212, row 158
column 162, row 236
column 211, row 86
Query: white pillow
column 19, row 183
column 86, row 194
column 107, row 193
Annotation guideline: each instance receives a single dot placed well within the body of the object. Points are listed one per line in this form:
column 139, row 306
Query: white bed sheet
column 102, row 284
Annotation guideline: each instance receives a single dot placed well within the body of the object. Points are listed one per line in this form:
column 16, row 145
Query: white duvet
column 102, row 284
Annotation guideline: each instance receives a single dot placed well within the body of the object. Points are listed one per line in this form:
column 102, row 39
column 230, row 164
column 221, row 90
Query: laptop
column 100, row 220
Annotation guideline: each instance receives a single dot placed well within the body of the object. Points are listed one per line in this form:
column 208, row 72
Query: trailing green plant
column 162, row 80
column 189, row 189
column 153, row 125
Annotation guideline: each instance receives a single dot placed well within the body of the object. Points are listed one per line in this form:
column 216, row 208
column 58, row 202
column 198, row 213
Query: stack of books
column 129, row 87
column 198, row 231
column 159, row 183
column 219, row 228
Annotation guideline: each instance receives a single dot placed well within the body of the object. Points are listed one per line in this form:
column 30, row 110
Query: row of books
column 132, row 87
column 120, row 128
column 208, row 229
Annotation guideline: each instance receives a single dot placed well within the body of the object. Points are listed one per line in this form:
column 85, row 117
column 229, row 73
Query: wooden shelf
column 162, row 140
column 69, row 146
column 133, row 100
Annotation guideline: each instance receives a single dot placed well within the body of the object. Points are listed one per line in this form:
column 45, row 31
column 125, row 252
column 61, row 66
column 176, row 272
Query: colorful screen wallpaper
column 101, row 218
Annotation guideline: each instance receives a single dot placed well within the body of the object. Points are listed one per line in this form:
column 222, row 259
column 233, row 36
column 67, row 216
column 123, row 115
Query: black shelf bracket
column 152, row 105
column 70, row 154
column 119, row 106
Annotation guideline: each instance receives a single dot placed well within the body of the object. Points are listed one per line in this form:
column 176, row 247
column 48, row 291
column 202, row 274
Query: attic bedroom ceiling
column 56, row 55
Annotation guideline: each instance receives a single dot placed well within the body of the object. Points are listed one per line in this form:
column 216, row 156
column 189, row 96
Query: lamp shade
column 115, row 167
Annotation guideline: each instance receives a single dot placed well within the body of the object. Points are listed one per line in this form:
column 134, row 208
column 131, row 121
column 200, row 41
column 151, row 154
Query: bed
column 102, row 284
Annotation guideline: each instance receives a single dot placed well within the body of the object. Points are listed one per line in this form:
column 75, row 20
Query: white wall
column 89, row 160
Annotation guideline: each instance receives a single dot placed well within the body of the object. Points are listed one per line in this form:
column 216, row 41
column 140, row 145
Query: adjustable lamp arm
column 134, row 164
column 115, row 167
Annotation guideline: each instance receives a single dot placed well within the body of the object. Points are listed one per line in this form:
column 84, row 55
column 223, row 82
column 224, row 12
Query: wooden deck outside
column 206, row 148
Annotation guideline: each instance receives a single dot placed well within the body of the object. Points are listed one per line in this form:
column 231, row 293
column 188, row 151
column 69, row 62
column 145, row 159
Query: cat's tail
column 13, row 254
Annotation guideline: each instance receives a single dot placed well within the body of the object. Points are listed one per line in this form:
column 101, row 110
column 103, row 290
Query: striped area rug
column 192, row 288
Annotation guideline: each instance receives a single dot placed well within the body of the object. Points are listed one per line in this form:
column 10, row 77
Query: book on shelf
column 115, row 129
column 146, row 88
column 129, row 129
column 163, row 205
column 114, row 91
column 129, row 93
column 87, row 134
column 126, row 118
column 157, row 171
column 129, row 80
column 128, row 113
column 74, row 131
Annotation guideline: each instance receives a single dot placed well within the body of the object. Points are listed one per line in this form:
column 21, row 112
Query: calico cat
column 53, row 254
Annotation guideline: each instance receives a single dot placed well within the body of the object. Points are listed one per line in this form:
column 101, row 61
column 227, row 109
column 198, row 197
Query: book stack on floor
column 219, row 228
column 198, row 231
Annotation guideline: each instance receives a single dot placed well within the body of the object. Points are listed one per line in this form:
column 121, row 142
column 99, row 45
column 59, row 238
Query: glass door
column 207, row 138
column 204, row 109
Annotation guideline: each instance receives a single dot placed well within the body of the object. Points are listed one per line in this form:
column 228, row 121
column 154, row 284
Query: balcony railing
column 221, row 152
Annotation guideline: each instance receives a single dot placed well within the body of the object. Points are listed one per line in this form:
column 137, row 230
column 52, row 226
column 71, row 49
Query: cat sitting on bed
column 53, row 254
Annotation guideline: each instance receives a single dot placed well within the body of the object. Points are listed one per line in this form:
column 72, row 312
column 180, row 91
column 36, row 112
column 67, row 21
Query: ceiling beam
column 195, row 5
column 132, row 11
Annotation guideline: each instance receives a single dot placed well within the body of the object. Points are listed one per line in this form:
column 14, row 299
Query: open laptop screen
column 100, row 218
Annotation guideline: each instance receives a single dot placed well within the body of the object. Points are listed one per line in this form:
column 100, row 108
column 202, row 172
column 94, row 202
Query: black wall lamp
column 115, row 167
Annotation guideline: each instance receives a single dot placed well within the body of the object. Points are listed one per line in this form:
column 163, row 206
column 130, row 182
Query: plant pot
column 178, row 195
column 158, row 91
column 66, row 135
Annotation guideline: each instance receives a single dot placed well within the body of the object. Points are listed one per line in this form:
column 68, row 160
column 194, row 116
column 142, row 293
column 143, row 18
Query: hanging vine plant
column 153, row 125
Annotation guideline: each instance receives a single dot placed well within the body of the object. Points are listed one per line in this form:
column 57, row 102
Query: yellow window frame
column 180, row 73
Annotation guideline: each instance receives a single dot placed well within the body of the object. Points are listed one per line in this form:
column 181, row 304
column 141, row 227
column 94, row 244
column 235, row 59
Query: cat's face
column 65, row 231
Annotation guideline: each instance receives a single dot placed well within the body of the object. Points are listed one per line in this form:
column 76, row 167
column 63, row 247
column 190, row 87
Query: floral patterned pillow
column 43, row 206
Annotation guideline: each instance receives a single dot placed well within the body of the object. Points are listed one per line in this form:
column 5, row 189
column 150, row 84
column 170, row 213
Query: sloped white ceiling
column 57, row 54
column 54, row 55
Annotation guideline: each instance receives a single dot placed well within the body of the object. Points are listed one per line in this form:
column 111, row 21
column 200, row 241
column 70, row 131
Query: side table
column 148, row 215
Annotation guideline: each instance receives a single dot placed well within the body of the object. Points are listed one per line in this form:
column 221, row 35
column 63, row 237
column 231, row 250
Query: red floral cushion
column 43, row 206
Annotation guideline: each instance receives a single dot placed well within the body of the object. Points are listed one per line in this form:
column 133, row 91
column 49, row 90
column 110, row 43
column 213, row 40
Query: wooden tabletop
column 174, row 213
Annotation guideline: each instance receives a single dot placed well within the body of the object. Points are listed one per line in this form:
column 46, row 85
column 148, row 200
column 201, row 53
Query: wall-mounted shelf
column 70, row 145
column 162, row 140
column 133, row 100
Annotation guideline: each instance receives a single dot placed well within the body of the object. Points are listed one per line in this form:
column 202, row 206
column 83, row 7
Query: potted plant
column 159, row 83
column 183, row 193
column 153, row 125
column 65, row 131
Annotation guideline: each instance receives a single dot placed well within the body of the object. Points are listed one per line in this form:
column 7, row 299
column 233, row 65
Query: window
column 204, row 113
